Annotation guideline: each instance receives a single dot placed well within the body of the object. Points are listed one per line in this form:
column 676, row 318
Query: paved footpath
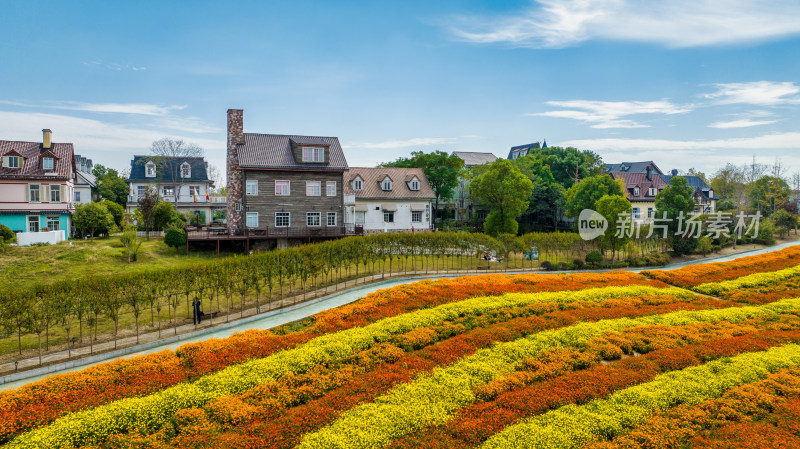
column 277, row 313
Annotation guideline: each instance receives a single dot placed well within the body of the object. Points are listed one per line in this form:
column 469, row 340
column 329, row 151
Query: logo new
column 591, row 224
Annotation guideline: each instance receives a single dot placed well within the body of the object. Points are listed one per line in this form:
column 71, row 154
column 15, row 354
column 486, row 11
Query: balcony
column 223, row 233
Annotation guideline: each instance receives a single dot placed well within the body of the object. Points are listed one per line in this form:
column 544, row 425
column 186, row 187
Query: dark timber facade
column 282, row 187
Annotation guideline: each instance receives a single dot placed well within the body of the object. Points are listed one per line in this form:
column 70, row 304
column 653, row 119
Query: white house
column 85, row 190
column 387, row 200
column 183, row 181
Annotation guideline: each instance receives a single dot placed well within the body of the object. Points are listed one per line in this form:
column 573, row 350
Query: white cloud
column 674, row 23
column 118, row 108
column 762, row 93
column 609, row 114
column 775, row 141
column 741, row 123
column 394, row 144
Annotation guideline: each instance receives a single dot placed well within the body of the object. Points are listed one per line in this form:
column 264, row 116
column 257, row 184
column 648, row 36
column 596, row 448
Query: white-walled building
column 85, row 190
column 387, row 200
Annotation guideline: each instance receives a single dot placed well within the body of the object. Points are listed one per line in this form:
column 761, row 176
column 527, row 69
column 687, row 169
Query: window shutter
column 61, row 196
column 28, row 194
column 44, row 194
column 5, row 161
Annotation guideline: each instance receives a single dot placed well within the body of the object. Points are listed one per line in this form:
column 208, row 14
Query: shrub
column 562, row 266
column 175, row 237
column 546, row 265
column 594, row 257
column 7, row 235
column 578, row 263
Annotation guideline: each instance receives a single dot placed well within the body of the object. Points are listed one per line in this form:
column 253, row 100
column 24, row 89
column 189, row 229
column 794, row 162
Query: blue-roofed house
column 522, row 150
column 705, row 199
column 633, row 167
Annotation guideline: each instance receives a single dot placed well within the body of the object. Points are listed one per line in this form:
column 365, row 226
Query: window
column 358, row 184
column 330, row 188
column 77, row 197
column 53, row 223
column 33, row 223
column 650, row 212
column 313, row 154
column 651, row 191
column 386, row 184
column 168, row 191
column 55, row 194
column 635, row 191
column 33, row 195
column 282, row 219
column 416, row 216
column 141, row 191
column 313, row 188
column 47, row 163
column 388, row 217
column 186, row 170
column 331, row 219
column 361, row 217
column 252, row 219
column 12, row 162
column 194, row 191
column 237, row 207
column 313, row 218
column 282, row 188
column 636, row 213
column 414, row 185
column 252, row 187
column 150, row 169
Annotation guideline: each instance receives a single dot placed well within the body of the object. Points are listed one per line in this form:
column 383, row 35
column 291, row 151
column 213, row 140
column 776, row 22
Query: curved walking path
column 289, row 310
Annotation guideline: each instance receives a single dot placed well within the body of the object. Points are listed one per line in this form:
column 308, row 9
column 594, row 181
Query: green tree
column 131, row 242
column 585, row 194
column 441, row 169
column 611, row 207
column 164, row 215
column 548, row 197
column 146, row 211
column 567, row 165
column 784, row 221
column 704, row 245
column 506, row 191
column 6, row 234
column 769, row 192
column 175, row 237
column 677, row 200
column 117, row 211
column 110, row 185
column 93, row 219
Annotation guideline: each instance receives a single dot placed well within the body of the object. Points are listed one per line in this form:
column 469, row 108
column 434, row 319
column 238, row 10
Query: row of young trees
column 76, row 307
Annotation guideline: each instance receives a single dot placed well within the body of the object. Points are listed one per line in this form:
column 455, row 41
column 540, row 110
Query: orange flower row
column 694, row 275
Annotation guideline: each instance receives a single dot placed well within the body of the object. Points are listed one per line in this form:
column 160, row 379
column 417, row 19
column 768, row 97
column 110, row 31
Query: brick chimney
column 235, row 206
column 46, row 139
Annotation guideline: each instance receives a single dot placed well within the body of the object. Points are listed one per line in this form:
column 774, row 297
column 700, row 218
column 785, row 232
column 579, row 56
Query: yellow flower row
column 749, row 281
column 150, row 413
column 573, row 426
column 432, row 399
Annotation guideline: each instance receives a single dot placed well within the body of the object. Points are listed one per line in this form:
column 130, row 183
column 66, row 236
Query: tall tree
column 567, row 165
column 110, row 185
column 506, row 191
column 584, row 194
column 611, row 207
column 441, row 169
column 548, row 196
column 93, row 219
column 769, row 192
column 729, row 184
column 677, row 200
column 147, row 209
column 170, row 155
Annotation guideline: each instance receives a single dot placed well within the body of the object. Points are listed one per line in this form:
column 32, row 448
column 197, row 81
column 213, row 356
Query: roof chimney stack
column 674, row 172
column 649, row 171
column 46, row 142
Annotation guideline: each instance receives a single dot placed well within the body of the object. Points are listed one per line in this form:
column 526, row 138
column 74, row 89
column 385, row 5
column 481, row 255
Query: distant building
column 37, row 185
column 633, row 167
column 641, row 190
column 523, row 150
column 284, row 187
column 85, row 190
column 462, row 204
column 705, row 200
column 388, row 199
column 183, row 181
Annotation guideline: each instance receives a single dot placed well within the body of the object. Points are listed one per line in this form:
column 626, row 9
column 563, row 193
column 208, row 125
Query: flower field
column 701, row 356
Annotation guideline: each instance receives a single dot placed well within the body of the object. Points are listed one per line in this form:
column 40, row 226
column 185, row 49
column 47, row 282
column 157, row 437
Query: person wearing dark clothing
column 197, row 313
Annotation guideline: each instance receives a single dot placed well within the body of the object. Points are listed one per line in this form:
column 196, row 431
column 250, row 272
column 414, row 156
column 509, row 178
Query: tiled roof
column 472, row 158
column 522, row 150
column 275, row 151
column 31, row 166
column 632, row 167
column 198, row 169
column 373, row 176
column 696, row 183
column 640, row 180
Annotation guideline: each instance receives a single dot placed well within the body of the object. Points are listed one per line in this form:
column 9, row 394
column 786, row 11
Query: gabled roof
column 197, row 164
column 522, row 150
column 696, row 183
column 400, row 190
column 31, row 153
column 472, row 158
column 274, row 151
column 632, row 167
column 633, row 180
column 86, row 179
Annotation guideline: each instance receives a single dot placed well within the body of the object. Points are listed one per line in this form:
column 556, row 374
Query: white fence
column 30, row 238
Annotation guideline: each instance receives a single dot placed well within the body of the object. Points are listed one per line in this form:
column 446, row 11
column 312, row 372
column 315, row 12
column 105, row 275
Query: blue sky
column 685, row 83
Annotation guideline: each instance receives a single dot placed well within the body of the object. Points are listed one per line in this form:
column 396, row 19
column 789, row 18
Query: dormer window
column 313, row 154
column 635, row 191
column 358, row 184
column 186, row 170
column 48, row 163
column 12, row 162
column 651, row 191
column 414, row 184
column 386, row 184
column 150, row 169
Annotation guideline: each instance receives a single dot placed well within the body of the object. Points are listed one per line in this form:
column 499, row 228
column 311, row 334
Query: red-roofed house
column 36, row 185
column 641, row 190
